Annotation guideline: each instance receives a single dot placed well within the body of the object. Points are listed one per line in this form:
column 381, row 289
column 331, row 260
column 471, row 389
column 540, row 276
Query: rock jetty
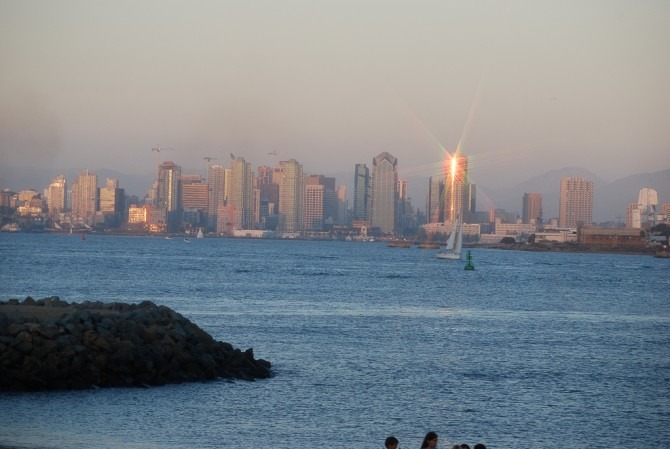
column 49, row 344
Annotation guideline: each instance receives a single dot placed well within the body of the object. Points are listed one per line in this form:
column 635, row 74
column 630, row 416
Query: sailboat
column 454, row 244
column 199, row 235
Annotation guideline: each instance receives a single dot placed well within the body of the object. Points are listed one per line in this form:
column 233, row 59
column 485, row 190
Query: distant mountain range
column 610, row 199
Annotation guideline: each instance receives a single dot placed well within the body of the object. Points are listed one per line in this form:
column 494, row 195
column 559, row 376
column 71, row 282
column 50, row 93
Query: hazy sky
column 524, row 86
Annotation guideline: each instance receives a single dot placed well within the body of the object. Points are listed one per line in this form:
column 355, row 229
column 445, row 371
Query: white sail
column 454, row 244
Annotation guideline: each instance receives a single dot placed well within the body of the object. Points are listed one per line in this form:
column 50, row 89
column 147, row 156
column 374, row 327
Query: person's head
column 465, row 446
column 429, row 441
column 391, row 443
column 479, row 446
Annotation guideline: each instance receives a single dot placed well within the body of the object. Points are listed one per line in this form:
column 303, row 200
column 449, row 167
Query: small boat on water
column 187, row 240
column 399, row 244
column 199, row 235
column 454, row 244
column 429, row 245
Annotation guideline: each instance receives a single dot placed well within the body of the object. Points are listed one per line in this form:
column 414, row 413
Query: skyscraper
column 85, row 197
column 216, row 183
column 575, row 202
column 384, row 193
column 314, row 202
column 361, row 193
column 112, row 203
column 532, row 208
column 291, row 196
column 435, row 201
column 57, row 195
column 455, row 186
column 168, row 193
column 241, row 194
column 342, row 205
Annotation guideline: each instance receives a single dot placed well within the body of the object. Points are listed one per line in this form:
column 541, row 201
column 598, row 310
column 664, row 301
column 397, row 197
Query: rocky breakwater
column 50, row 344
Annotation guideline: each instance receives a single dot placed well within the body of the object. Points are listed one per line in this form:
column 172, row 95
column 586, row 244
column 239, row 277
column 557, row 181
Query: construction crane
column 158, row 150
column 209, row 160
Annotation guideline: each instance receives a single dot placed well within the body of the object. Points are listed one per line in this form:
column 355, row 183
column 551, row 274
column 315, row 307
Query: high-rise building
column 361, row 210
column 384, row 193
column 241, row 194
column 216, row 184
column 85, row 197
column 314, row 200
column 291, row 196
column 329, row 197
column 455, row 185
column 112, row 203
column 471, row 201
column 342, row 206
column 648, row 201
column 194, row 193
column 575, row 202
column 57, row 195
column 435, row 201
column 194, row 199
column 531, row 208
column 168, row 193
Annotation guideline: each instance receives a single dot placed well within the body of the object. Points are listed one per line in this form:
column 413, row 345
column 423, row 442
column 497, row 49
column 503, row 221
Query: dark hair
column 429, row 436
column 465, row 446
column 390, row 440
column 480, row 446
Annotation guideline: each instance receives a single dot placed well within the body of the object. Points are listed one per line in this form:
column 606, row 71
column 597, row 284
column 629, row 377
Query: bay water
column 530, row 350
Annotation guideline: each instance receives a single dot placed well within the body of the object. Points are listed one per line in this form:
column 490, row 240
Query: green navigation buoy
column 469, row 266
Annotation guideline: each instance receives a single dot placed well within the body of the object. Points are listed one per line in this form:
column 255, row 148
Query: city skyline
column 198, row 184
column 520, row 89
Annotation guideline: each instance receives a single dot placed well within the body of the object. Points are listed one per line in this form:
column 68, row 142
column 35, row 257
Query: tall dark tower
column 361, row 193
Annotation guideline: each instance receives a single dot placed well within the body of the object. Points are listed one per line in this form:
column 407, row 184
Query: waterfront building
column 267, row 196
column 455, row 185
column 216, row 176
column 57, row 196
column 85, row 197
column 241, row 194
column 470, row 206
column 137, row 215
column 291, row 196
column 613, row 237
column 361, row 210
column 314, row 206
column 342, row 206
column 531, row 211
column 329, row 198
column 168, row 194
column 575, row 202
column 516, row 228
column 384, row 193
column 111, row 204
column 435, row 200
column 194, row 199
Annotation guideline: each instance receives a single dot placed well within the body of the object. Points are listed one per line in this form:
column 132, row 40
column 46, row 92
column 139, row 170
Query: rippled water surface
column 530, row 350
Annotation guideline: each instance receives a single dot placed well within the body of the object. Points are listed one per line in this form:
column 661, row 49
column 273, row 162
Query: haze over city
column 521, row 88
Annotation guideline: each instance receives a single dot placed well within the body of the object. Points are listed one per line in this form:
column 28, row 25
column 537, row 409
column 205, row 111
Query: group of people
column 429, row 442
